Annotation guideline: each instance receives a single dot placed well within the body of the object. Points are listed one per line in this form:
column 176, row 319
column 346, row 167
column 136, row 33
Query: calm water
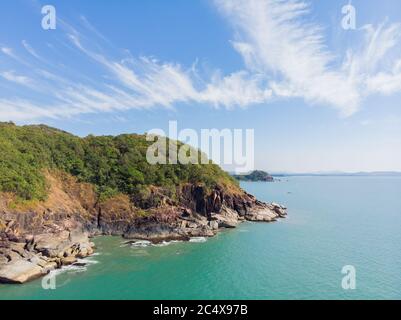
column 333, row 222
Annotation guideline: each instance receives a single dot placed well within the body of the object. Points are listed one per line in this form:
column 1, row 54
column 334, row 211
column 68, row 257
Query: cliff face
column 40, row 236
column 57, row 190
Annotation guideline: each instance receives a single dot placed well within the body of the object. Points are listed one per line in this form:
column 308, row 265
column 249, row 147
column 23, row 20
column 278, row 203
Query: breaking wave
column 198, row 239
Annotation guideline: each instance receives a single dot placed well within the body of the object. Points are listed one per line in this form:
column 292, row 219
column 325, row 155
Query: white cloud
column 274, row 39
column 238, row 89
column 7, row 51
column 284, row 56
column 13, row 77
column 155, row 83
column 385, row 83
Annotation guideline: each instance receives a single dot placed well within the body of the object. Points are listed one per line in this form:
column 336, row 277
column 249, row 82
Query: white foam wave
column 68, row 269
column 87, row 261
column 141, row 243
column 198, row 239
column 161, row 244
column 165, row 243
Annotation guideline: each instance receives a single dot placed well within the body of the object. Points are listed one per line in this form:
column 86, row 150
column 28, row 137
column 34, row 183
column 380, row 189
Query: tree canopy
column 113, row 164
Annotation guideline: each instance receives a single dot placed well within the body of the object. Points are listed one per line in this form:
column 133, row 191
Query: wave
column 80, row 266
column 198, row 239
column 165, row 243
column 88, row 260
column 146, row 243
column 68, row 269
column 140, row 243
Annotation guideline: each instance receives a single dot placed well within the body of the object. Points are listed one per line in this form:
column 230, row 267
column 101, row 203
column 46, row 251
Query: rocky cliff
column 57, row 190
column 41, row 236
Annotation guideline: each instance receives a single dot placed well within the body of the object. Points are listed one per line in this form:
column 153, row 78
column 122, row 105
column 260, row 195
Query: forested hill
column 256, row 175
column 112, row 164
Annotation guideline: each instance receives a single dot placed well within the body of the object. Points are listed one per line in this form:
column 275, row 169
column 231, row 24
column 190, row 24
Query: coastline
column 255, row 259
column 32, row 245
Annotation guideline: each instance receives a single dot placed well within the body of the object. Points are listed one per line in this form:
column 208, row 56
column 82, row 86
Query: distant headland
column 254, row 176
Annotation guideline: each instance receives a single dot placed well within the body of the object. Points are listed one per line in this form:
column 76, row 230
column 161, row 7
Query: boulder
column 262, row 214
column 214, row 225
column 13, row 256
column 63, row 244
column 201, row 232
column 228, row 218
column 18, row 247
column 3, row 260
column 49, row 266
column 192, row 225
column 53, row 245
column 19, row 272
column 83, row 253
column 68, row 261
column 38, row 260
column 280, row 210
column 225, row 222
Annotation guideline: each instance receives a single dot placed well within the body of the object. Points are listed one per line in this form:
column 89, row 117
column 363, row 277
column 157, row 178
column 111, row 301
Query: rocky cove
column 47, row 236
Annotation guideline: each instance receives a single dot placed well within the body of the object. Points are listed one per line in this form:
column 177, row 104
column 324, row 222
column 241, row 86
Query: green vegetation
column 256, row 175
column 113, row 164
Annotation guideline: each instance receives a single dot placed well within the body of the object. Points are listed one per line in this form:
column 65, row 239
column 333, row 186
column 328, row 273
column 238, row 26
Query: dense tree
column 113, row 164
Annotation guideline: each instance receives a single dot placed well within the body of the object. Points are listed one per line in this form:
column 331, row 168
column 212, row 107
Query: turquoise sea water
column 333, row 222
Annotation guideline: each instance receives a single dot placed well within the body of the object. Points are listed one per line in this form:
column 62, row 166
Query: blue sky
column 319, row 97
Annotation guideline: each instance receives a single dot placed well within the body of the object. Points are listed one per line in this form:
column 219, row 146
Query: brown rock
column 19, row 271
column 68, row 261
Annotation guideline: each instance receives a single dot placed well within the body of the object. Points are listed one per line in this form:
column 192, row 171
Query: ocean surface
column 333, row 222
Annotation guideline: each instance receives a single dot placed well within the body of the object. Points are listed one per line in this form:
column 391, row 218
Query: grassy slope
column 112, row 164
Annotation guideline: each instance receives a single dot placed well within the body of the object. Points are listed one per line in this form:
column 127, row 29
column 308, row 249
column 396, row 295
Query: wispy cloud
column 284, row 56
column 13, row 77
column 11, row 54
column 129, row 83
column 7, row 51
column 274, row 39
column 158, row 83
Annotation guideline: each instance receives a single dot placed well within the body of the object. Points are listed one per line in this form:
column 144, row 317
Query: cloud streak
column 284, row 57
column 13, row 77
column 274, row 39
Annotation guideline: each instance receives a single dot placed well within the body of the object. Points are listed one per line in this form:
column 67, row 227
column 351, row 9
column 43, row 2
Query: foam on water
column 80, row 266
column 198, row 239
column 141, row 243
column 165, row 243
column 87, row 261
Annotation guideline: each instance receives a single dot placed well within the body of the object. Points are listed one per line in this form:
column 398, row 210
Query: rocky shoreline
column 32, row 244
column 28, row 258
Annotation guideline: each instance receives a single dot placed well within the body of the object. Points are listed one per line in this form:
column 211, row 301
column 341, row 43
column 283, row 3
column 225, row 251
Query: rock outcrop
column 25, row 258
column 35, row 240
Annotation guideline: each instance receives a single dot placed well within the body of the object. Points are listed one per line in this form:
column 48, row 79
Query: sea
column 341, row 240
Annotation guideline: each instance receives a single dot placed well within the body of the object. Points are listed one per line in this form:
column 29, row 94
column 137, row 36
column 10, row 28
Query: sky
column 319, row 97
